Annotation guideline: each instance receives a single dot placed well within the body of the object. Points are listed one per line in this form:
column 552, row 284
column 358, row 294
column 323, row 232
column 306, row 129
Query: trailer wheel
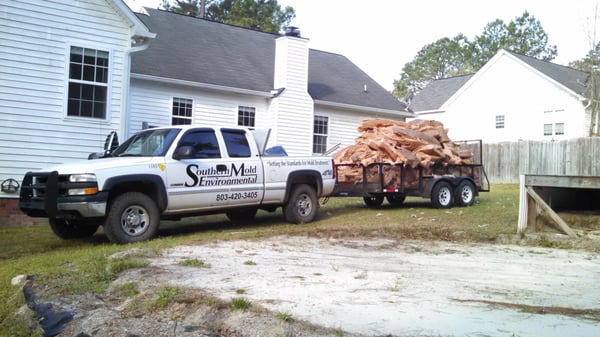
column 395, row 199
column 373, row 200
column 242, row 215
column 441, row 196
column 73, row 229
column 132, row 217
column 464, row 193
column 302, row 206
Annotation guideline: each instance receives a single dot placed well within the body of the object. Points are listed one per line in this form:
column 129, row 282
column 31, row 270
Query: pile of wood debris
column 418, row 143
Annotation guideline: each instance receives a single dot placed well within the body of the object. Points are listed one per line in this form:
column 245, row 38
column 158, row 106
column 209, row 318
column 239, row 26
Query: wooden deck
column 549, row 192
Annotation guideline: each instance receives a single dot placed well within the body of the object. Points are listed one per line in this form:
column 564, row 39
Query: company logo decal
column 221, row 175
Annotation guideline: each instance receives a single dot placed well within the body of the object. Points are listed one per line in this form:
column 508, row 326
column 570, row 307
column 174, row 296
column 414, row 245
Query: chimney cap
column 292, row 31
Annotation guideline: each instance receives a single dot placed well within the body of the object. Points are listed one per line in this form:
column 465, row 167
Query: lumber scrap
column 559, row 221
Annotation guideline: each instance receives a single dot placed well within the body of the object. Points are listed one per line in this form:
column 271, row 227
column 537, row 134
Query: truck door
column 196, row 180
column 246, row 171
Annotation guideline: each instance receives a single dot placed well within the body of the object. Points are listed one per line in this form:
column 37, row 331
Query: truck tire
column 243, row 215
column 373, row 200
column 73, row 229
column 302, row 205
column 442, row 196
column 464, row 193
column 132, row 217
column 395, row 199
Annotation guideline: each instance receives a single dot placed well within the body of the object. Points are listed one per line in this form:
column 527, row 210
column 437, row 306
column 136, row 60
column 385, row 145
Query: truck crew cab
column 174, row 172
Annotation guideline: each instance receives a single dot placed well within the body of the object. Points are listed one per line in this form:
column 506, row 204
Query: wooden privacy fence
column 504, row 162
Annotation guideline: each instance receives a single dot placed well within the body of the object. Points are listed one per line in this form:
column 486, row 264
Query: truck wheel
column 441, row 196
column 132, row 217
column 395, row 199
column 464, row 193
column 73, row 229
column 373, row 200
column 242, row 215
column 302, row 206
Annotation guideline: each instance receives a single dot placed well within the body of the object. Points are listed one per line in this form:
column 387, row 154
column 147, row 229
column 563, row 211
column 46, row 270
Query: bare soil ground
column 302, row 286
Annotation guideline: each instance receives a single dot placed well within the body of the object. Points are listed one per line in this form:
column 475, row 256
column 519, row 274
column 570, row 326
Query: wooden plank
column 561, row 223
column 586, row 182
column 523, row 220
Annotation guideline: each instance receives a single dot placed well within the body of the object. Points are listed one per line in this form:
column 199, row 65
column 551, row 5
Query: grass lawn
column 73, row 267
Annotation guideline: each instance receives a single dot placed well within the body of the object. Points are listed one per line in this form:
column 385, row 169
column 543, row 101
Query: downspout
column 138, row 43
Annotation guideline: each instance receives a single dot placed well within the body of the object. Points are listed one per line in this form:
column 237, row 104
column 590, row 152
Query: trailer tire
column 464, row 193
column 242, row 215
column 73, row 229
column 132, row 217
column 396, row 199
column 442, row 196
column 302, row 205
column 373, row 200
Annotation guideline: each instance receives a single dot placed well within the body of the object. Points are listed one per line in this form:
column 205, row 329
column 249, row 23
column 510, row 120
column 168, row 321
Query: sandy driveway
column 410, row 288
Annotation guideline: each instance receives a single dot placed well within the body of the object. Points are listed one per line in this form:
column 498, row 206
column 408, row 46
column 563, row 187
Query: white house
column 71, row 71
column 513, row 97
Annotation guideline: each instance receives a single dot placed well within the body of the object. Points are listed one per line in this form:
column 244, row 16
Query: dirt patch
column 301, row 286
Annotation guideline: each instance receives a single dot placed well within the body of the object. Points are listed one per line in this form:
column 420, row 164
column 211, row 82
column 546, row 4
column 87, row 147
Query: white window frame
column 94, row 83
column 500, row 121
column 556, row 129
column 246, row 114
column 548, row 130
column 320, row 147
column 179, row 101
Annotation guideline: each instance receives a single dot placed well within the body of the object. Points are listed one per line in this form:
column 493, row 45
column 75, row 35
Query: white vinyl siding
column 35, row 40
column 152, row 103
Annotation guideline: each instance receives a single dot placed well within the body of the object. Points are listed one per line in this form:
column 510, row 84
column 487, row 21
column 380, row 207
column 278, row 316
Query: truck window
column 204, row 143
column 236, row 143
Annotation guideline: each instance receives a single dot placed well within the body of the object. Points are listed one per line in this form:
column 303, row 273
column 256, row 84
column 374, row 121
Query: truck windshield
column 147, row 143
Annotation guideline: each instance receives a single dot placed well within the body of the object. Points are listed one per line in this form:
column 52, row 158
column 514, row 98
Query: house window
column 559, row 129
column 88, row 83
column 246, row 115
column 499, row 121
column 182, row 111
column 547, row 129
column 320, row 134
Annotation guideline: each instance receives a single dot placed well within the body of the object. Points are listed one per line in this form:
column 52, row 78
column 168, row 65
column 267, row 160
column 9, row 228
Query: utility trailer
column 445, row 184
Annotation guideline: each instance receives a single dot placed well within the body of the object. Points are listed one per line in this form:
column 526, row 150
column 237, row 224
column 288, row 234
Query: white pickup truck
column 174, row 172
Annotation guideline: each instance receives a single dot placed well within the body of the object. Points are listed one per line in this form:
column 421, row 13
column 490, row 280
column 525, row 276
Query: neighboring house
column 513, row 97
column 71, row 71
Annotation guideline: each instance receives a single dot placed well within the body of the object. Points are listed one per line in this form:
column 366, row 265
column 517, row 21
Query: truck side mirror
column 111, row 143
column 183, row 152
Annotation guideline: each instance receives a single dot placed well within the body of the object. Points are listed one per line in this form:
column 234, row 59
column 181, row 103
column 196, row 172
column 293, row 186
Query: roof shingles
column 203, row 51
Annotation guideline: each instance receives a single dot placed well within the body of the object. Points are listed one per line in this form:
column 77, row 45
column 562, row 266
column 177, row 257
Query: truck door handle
column 221, row 168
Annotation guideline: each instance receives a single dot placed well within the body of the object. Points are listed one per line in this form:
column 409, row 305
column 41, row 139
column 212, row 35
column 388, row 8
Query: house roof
column 438, row 92
column 575, row 80
column 202, row 51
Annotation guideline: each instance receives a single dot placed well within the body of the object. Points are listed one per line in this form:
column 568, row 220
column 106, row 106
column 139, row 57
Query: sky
column 381, row 36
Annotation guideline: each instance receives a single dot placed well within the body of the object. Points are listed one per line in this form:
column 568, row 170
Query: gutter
column 214, row 87
column 364, row 108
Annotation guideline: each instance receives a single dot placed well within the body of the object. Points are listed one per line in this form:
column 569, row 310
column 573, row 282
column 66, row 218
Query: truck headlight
column 82, row 178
